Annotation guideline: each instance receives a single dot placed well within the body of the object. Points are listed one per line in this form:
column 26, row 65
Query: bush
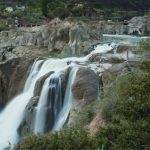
column 144, row 48
column 145, row 65
column 70, row 139
column 3, row 27
column 127, row 105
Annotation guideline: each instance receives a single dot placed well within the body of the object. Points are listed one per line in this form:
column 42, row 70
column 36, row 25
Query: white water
column 12, row 115
column 15, row 109
column 62, row 117
column 34, row 70
column 52, row 87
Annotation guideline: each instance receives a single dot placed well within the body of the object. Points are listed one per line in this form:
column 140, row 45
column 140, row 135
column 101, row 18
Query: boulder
column 86, row 85
column 122, row 48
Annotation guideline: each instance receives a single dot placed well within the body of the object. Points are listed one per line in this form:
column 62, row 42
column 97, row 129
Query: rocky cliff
column 70, row 37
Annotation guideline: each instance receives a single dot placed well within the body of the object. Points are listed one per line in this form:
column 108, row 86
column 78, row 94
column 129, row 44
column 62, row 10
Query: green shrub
column 127, row 105
column 144, row 48
column 3, row 27
column 145, row 65
column 70, row 139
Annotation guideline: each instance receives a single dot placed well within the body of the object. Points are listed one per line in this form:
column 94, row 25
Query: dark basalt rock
column 13, row 74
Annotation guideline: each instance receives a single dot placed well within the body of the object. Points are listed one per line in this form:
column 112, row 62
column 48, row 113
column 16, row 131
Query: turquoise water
column 129, row 38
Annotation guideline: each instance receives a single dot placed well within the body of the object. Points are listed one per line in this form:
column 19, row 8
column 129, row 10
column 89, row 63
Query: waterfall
column 62, row 117
column 15, row 111
column 34, row 70
column 50, row 103
column 52, row 110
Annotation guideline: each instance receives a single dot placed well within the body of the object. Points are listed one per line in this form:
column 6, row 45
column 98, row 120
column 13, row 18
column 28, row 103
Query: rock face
column 97, row 122
column 78, row 34
column 135, row 26
column 85, row 89
column 65, row 36
column 82, row 38
column 27, row 125
column 12, row 73
column 139, row 25
column 86, row 85
column 71, row 37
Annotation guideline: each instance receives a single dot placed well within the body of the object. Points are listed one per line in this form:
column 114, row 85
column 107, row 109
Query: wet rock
column 12, row 73
column 28, row 123
column 39, row 84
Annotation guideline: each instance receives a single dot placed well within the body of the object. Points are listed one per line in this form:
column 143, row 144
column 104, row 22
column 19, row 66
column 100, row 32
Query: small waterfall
column 62, row 117
column 34, row 70
column 15, row 111
column 50, row 103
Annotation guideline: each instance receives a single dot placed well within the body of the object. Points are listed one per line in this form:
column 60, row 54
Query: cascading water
column 62, row 117
column 34, row 70
column 15, row 111
column 50, row 102
column 51, row 91
column 51, row 106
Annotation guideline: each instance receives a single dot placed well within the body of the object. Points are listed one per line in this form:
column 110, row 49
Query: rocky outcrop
column 85, row 89
column 78, row 34
column 97, row 122
column 139, row 25
column 82, row 37
column 71, row 37
column 122, row 48
column 12, row 73
column 86, row 85
column 27, row 125
column 135, row 26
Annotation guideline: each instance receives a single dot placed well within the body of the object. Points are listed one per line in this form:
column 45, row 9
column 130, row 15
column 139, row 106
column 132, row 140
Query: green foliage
column 70, row 139
column 145, row 44
column 145, row 66
column 144, row 48
column 52, row 8
column 126, row 105
column 44, row 7
column 86, row 115
column 3, row 27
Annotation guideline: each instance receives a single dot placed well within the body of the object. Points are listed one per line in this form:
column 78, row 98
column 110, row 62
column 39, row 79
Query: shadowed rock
column 12, row 78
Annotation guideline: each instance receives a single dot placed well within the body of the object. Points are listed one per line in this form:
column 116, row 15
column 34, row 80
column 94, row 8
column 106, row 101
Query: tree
column 44, row 7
